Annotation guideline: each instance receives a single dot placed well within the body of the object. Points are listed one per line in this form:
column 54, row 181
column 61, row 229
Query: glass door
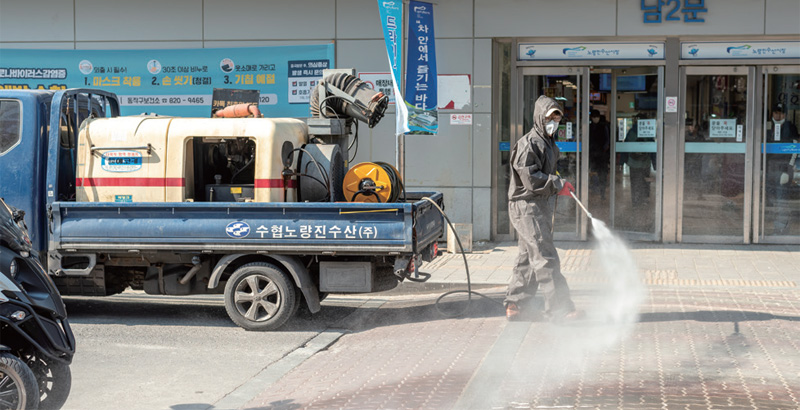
column 715, row 187
column 778, row 184
column 636, row 127
column 566, row 85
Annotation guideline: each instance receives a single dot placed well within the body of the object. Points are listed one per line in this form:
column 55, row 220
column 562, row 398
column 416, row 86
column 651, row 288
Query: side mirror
column 287, row 154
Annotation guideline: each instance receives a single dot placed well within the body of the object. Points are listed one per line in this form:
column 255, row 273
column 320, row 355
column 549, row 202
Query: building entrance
column 715, row 194
column 777, row 206
column 567, row 86
column 625, row 136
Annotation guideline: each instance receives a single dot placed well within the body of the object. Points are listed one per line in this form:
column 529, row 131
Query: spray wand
column 589, row 214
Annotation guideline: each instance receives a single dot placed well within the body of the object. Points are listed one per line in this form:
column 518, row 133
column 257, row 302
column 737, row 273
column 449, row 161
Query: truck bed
column 221, row 227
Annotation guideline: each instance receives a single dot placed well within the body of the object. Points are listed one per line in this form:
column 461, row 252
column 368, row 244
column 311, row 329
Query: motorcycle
column 36, row 342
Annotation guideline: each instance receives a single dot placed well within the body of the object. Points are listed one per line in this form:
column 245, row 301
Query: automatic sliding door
column 717, row 165
column 779, row 183
column 636, row 130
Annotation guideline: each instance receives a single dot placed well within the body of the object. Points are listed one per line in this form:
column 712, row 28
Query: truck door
column 68, row 111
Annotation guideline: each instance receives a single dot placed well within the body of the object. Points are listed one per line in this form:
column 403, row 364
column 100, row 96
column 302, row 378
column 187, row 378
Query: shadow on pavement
column 427, row 310
column 714, row 316
column 151, row 311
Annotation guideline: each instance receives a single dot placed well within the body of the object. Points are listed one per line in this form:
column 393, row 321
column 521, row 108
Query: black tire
column 54, row 380
column 18, row 388
column 260, row 296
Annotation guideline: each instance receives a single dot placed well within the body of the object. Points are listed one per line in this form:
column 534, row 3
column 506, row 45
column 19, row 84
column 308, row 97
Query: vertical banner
column 421, row 81
column 392, row 22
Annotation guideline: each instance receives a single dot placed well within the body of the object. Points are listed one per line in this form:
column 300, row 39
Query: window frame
column 19, row 130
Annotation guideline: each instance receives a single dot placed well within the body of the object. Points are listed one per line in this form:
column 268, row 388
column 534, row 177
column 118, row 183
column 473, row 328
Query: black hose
column 395, row 181
column 469, row 290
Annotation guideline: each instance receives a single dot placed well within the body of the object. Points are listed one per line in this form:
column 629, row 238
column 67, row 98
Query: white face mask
column 779, row 122
column 551, row 127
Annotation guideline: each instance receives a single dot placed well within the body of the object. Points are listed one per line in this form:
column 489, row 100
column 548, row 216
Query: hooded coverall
column 533, row 184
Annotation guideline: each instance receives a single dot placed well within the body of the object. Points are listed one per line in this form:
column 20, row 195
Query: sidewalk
column 717, row 327
column 679, row 264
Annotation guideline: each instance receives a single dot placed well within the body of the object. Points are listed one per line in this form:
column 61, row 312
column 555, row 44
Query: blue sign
column 176, row 82
column 121, row 161
column 392, row 23
column 656, row 11
column 780, row 148
column 421, row 87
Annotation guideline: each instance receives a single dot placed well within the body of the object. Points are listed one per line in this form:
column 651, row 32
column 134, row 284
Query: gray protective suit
column 533, row 184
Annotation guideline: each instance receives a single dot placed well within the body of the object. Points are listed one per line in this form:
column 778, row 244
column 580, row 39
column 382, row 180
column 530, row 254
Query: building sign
column 658, row 11
column 460, row 119
column 421, row 80
column 646, row 128
column 746, row 50
column 176, row 82
column 671, row 104
column 724, row 128
column 591, row 51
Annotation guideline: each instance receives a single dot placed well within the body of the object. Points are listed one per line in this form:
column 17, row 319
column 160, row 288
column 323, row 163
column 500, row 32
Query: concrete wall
column 456, row 162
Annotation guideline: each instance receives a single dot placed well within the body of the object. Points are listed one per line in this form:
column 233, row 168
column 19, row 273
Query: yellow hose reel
column 372, row 182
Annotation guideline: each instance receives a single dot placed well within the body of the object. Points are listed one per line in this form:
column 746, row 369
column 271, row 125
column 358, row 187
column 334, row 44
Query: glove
column 567, row 189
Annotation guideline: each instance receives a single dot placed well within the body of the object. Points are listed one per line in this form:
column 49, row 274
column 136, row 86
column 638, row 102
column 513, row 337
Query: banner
column 392, row 23
column 177, row 82
column 421, row 80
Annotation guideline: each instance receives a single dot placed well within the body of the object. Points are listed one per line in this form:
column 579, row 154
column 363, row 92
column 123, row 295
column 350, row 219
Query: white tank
column 151, row 159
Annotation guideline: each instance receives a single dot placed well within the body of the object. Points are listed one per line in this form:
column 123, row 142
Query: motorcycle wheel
column 55, row 382
column 18, row 388
column 260, row 296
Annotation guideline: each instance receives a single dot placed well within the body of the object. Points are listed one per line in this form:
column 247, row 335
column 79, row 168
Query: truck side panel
column 288, row 228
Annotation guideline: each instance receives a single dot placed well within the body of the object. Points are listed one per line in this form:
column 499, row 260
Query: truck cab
column 25, row 123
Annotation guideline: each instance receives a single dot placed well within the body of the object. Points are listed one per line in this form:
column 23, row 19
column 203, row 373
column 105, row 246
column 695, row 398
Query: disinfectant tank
column 158, row 159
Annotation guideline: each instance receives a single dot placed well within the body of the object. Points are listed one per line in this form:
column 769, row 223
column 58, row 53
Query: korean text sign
column 421, row 81
column 176, row 82
column 657, row 11
column 392, row 22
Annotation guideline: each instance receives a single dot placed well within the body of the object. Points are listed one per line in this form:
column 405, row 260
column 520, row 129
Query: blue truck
column 209, row 232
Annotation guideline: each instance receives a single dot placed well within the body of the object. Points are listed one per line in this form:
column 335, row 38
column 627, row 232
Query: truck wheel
column 55, row 381
column 18, row 388
column 259, row 296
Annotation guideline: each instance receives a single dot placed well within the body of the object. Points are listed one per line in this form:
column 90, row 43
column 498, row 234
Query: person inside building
column 780, row 168
column 534, row 185
column 599, row 145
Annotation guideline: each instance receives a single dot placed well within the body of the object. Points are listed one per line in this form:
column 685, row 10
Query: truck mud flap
column 299, row 273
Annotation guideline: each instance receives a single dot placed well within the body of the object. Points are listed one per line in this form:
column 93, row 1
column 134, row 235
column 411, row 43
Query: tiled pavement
column 718, row 328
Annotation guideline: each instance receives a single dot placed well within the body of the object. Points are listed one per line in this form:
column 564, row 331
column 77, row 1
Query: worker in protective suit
column 534, row 183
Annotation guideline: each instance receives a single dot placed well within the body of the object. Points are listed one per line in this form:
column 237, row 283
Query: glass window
column 714, row 159
column 10, row 124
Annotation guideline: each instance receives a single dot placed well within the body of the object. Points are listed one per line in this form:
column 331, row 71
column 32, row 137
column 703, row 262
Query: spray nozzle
column 589, row 214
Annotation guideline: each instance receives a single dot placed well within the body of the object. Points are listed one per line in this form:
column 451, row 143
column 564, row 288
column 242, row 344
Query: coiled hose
column 469, row 290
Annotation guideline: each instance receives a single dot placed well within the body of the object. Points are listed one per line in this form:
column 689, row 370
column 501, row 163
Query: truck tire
column 18, row 389
column 55, row 381
column 260, row 296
